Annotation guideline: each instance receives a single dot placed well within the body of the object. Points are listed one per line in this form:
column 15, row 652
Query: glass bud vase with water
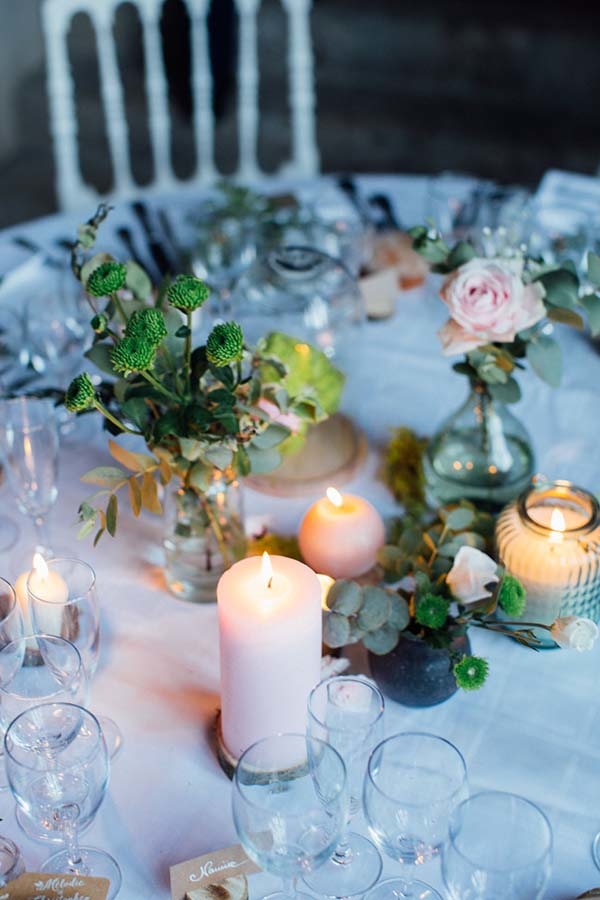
column 204, row 535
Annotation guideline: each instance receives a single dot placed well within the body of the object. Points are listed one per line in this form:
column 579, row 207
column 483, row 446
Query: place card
column 214, row 868
column 45, row 886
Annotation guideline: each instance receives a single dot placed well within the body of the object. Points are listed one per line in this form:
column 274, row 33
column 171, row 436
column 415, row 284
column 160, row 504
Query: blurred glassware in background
column 559, row 233
column 11, row 861
column 304, row 293
column 29, row 448
column 492, row 216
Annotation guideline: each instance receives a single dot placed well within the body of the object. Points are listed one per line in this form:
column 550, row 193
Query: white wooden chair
column 71, row 189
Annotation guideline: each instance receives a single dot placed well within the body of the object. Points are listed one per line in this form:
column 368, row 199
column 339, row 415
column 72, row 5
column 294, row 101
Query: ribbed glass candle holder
column 549, row 538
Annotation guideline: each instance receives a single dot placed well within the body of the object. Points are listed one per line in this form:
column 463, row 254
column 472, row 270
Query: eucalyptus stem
column 188, row 352
column 160, row 387
column 108, row 415
column 119, row 306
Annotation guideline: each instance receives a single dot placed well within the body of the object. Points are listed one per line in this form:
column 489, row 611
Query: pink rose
column 470, row 574
column 288, row 420
column 488, row 302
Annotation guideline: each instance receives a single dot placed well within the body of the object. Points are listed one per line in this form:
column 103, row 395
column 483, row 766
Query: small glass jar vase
column 204, row 535
column 481, row 453
column 550, row 539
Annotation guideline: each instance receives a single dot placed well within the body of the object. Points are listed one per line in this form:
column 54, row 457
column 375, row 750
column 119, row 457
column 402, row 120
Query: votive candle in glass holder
column 549, row 538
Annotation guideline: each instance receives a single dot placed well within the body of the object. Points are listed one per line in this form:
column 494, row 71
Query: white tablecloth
column 533, row 729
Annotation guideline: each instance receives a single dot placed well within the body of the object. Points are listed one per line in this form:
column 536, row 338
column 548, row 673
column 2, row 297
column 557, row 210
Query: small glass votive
column 11, row 862
column 549, row 538
column 499, row 845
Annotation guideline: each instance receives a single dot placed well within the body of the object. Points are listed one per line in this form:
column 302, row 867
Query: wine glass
column 500, row 845
column 347, row 712
column 58, row 768
column 11, row 861
column 38, row 669
column 63, row 600
column 414, row 781
column 290, row 802
column 29, row 445
column 11, row 623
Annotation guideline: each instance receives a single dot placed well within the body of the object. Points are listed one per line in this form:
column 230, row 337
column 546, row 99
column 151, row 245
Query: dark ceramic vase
column 416, row 674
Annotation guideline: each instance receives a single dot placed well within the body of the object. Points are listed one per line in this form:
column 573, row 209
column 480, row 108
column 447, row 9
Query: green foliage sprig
column 418, row 558
column 216, row 405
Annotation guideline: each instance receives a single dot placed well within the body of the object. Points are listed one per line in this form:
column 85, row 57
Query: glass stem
column 343, row 853
column 288, row 887
column 41, row 531
column 68, row 816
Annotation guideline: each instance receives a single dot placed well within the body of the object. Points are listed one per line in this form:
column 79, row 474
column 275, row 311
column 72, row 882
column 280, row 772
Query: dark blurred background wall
column 501, row 89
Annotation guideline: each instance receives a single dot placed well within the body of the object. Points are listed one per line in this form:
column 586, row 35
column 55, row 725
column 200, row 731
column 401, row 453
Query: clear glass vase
column 481, row 453
column 204, row 535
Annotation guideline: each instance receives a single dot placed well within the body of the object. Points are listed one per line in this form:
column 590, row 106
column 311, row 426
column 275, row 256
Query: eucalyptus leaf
column 105, row 476
column 509, row 392
column 136, row 410
column 460, row 254
column 137, row 280
column 591, row 304
column 345, row 597
column 593, row 268
column 262, row 461
column 382, row 641
column 459, row 518
column 191, row 449
column 545, row 357
column 561, row 286
column 399, row 612
column 566, row 317
column 375, row 609
column 336, row 630
column 271, row 437
column 219, row 456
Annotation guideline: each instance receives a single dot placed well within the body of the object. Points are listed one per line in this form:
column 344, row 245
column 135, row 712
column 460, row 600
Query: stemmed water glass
column 290, row 802
column 347, row 712
column 413, row 783
column 64, row 601
column 58, row 769
column 29, row 446
column 38, row 669
column 500, row 845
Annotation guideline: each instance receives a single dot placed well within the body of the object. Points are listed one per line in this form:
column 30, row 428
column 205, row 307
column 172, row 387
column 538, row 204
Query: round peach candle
column 270, row 647
column 340, row 535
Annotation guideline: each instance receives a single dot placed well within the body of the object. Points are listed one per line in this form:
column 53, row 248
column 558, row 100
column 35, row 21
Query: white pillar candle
column 270, row 646
column 50, row 586
column 549, row 540
column 340, row 535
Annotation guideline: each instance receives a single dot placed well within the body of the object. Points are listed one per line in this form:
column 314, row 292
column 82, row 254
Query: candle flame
column 267, row 569
column 334, row 497
column 39, row 564
column 557, row 520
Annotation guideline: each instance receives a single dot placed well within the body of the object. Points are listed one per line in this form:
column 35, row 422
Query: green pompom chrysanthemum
column 147, row 325
column 432, row 611
column 133, row 354
column 471, row 672
column 225, row 344
column 80, row 394
column 511, row 596
column 107, row 278
column 187, row 293
column 99, row 323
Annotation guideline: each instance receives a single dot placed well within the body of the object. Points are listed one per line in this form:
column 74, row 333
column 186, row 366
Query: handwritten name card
column 197, row 875
column 43, row 886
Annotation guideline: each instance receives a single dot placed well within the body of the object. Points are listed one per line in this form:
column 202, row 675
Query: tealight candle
column 340, row 535
column 549, row 539
column 269, row 612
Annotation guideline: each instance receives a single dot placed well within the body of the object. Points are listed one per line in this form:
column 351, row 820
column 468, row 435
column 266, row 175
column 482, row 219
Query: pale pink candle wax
column 340, row 535
column 270, row 648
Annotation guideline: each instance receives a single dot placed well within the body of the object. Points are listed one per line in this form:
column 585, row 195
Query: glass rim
column 504, row 794
column 240, row 789
column 32, row 709
column 63, row 559
column 13, row 596
column 568, row 487
column 53, row 638
column 412, row 734
column 361, row 679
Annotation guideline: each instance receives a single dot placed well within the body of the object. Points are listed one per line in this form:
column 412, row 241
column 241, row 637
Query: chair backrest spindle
column 72, row 190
